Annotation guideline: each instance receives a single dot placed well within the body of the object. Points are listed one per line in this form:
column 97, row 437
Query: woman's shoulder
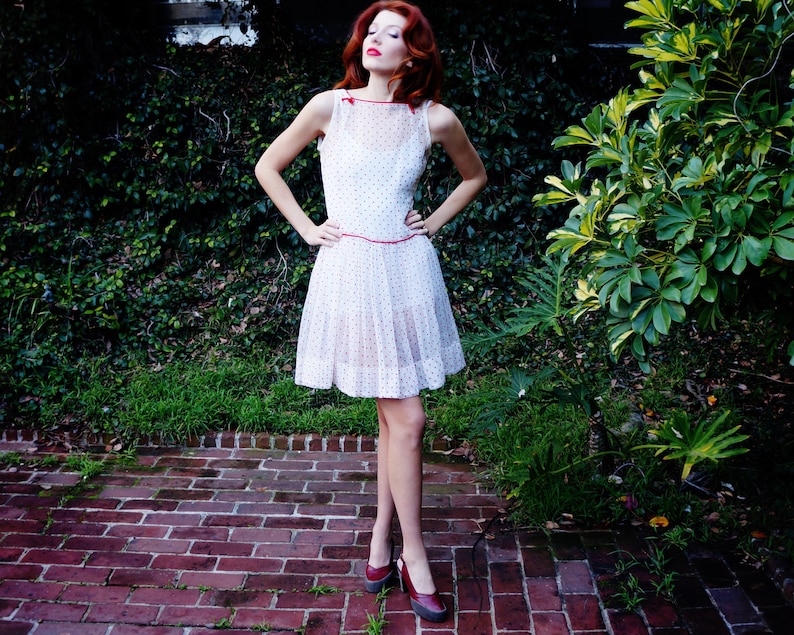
column 323, row 102
column 441, row 120
column 319, row 110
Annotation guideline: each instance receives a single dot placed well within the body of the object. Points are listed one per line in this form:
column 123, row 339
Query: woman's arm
column 446, row 129
column 311, row 122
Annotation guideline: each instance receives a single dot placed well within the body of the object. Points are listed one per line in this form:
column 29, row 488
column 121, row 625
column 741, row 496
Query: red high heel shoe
column 375, row 578
column 429, row 607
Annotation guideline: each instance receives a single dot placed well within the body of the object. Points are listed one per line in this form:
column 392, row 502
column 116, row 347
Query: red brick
column 193, row 615
column 538, row 562
column 402, row 622
column 94, row 594
column 119, row 560
column 309, row 599
column 154, row 596
column 53, row 557
column 138, row 493
column 30, row 590
column 473, row 595
column 65, row 628
column 257, row 535
column 77, row 529
column 128, row 629
column 32, row 541
column 567, row 546
column 584, row 612
column 148, row 545
column 287, row 550
column 10, row 554
column 288, row 621
column 183, row 494
column 221, row 483
column 237, row 598
column 151, row 505
column 138, row 531
column 550, row 624
column 185, row 563
column 627, row 623
column 234, row 520
column 262, row 441
column 270, row 565
column 217, row 548
column 95, row 543
column 123, row 613
column 324, row 537
column 317, row 567
column 735, row 606
column 228, row 440
column 51, row 612
column 544, row 594
column 473, row 623
column 294, row 523
column 510, row 612
column 323, row 623
column 199, row 533
column 21, row 526
column 114, row 517
column 80, row 575
column 142, row 577
column 176, row 520
column 283, row 582
column 7, row 607
column 506, row 577
column 20, row 571
column 575, row 577
column 211, row 580
column 660, row 612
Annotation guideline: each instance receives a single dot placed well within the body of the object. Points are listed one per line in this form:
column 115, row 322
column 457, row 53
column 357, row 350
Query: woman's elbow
column 262, row 171
column 481, row 180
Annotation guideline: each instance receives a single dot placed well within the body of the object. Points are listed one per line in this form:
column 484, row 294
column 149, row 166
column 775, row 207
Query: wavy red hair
column 418, row 82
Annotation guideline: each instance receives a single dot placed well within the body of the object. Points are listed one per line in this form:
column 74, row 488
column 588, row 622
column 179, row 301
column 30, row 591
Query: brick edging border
column 229, row 439
column 780, row 570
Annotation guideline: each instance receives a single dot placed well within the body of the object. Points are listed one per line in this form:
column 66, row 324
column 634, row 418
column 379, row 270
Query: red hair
column 418, row 82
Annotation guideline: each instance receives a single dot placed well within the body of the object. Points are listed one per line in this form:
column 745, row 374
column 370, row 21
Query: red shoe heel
column 376, row 578
column 428, row 607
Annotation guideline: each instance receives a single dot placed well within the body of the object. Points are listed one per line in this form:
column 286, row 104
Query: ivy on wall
column 132, row 224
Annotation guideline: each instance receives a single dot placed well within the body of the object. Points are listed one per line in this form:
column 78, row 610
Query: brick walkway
column 275, row 540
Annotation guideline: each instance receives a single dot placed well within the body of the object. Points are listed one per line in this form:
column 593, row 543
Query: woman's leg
column 404, row 421
column 380, row 545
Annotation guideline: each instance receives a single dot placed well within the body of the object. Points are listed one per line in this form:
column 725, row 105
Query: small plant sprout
column 323, row 589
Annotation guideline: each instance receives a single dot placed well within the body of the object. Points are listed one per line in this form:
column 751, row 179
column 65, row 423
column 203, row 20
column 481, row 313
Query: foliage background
column 133, row 231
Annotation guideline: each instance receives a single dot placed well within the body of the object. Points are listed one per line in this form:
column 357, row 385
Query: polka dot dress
column 377, row 320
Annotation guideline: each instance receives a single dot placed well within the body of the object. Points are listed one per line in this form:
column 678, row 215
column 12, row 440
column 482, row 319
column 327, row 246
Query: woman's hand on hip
column 416, row 223
column 325, row 235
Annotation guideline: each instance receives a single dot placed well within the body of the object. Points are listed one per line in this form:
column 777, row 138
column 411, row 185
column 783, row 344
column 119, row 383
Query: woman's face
column 384, row 49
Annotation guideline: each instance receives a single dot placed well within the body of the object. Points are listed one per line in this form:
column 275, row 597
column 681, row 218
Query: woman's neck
column 379, row 89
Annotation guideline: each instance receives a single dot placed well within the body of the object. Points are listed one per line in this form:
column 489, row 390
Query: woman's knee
column 405, row 418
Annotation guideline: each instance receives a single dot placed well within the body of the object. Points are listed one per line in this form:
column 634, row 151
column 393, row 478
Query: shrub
column 684, row 205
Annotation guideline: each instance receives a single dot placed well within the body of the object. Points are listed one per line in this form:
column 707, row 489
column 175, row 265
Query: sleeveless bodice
column 372, row 158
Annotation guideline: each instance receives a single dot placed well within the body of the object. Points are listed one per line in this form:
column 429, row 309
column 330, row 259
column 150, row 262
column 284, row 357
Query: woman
column 377, row 321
